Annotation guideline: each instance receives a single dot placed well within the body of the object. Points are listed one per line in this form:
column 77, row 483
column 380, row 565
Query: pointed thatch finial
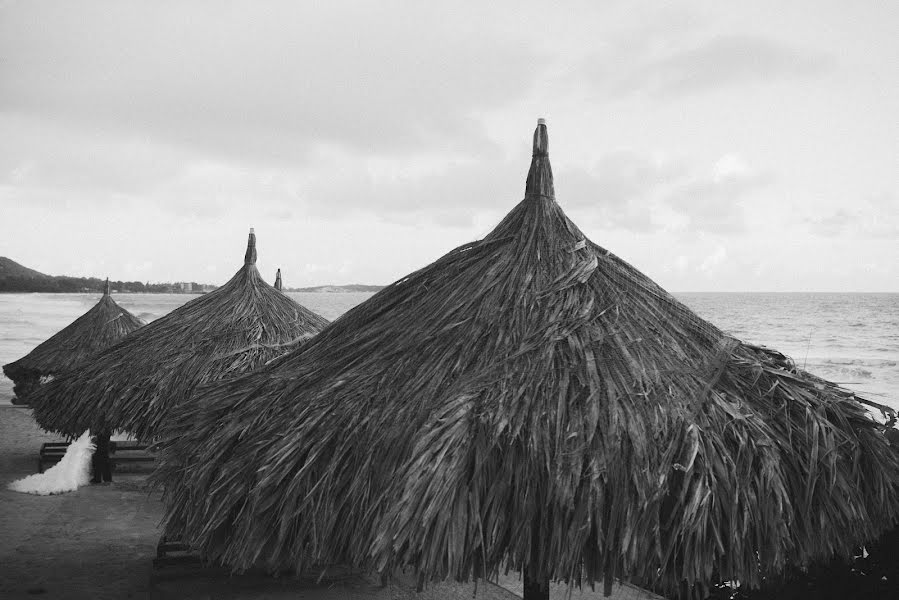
column 106, row 287
column 278, row 280
column 540, row 176
column 250, row 257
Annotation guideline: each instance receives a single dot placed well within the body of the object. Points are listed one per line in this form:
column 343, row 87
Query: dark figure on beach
column 101, row 463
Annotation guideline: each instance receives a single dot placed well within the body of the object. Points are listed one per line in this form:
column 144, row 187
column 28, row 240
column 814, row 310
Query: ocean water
column 852, row 339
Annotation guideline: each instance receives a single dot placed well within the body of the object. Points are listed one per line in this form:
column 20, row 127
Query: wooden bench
column 172, row 552
column 134, row 452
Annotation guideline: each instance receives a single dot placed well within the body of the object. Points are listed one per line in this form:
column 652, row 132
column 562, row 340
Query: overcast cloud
column 715, row 147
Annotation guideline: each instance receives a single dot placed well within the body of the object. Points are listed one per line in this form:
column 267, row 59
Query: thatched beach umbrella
column 95, row 330
column 529, row 401
column 134, row 385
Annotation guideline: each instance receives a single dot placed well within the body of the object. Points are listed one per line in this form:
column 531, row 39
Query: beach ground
column 99, row 543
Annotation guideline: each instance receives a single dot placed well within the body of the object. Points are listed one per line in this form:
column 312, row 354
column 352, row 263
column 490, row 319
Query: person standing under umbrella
column 101, row 463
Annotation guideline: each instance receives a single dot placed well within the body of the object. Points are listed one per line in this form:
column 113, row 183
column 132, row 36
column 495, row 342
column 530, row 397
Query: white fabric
column 70, row 473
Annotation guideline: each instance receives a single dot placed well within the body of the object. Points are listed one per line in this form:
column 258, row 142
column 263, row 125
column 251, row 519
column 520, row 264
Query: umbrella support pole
column 535, row 589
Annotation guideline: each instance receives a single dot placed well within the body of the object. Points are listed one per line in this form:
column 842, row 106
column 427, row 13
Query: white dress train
column 70, row 473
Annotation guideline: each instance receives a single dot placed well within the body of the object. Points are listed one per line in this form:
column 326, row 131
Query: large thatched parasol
column 529, row 401
column 98, row 328
column 135, row 384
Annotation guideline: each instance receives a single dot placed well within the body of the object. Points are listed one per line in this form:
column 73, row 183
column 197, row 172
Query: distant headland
column 18, row 278
column 15, row 277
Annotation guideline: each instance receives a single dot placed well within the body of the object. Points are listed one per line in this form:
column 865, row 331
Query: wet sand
column 99, row 543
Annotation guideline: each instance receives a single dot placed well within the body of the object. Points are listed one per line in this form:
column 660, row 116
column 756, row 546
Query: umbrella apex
column 250, row 257
column 106, row 287
column 278, row 280
column 540, row 175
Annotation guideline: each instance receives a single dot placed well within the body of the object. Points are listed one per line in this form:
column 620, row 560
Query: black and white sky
column 733, row 146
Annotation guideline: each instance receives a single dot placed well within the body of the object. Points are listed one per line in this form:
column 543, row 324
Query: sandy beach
column 99, row 542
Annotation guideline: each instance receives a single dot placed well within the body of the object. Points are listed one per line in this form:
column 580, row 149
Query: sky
column 716, row 146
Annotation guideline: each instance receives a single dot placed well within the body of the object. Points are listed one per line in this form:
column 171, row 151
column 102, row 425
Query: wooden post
column 535, row 589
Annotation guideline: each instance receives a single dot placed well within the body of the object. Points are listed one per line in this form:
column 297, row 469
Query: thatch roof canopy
column 529, row 401
column 95, row 330
column 135, row 384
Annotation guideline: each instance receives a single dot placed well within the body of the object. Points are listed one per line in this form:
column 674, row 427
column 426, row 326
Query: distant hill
column 17, row 278
column 337, row 289
column 10, row 268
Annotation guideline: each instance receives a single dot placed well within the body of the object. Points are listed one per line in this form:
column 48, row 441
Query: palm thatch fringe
column 135, row 384
column 529, row 401
column 100, row 327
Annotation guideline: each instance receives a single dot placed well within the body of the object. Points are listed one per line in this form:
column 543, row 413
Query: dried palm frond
column 98, row 328
column 529, row 401
column 135, row 385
